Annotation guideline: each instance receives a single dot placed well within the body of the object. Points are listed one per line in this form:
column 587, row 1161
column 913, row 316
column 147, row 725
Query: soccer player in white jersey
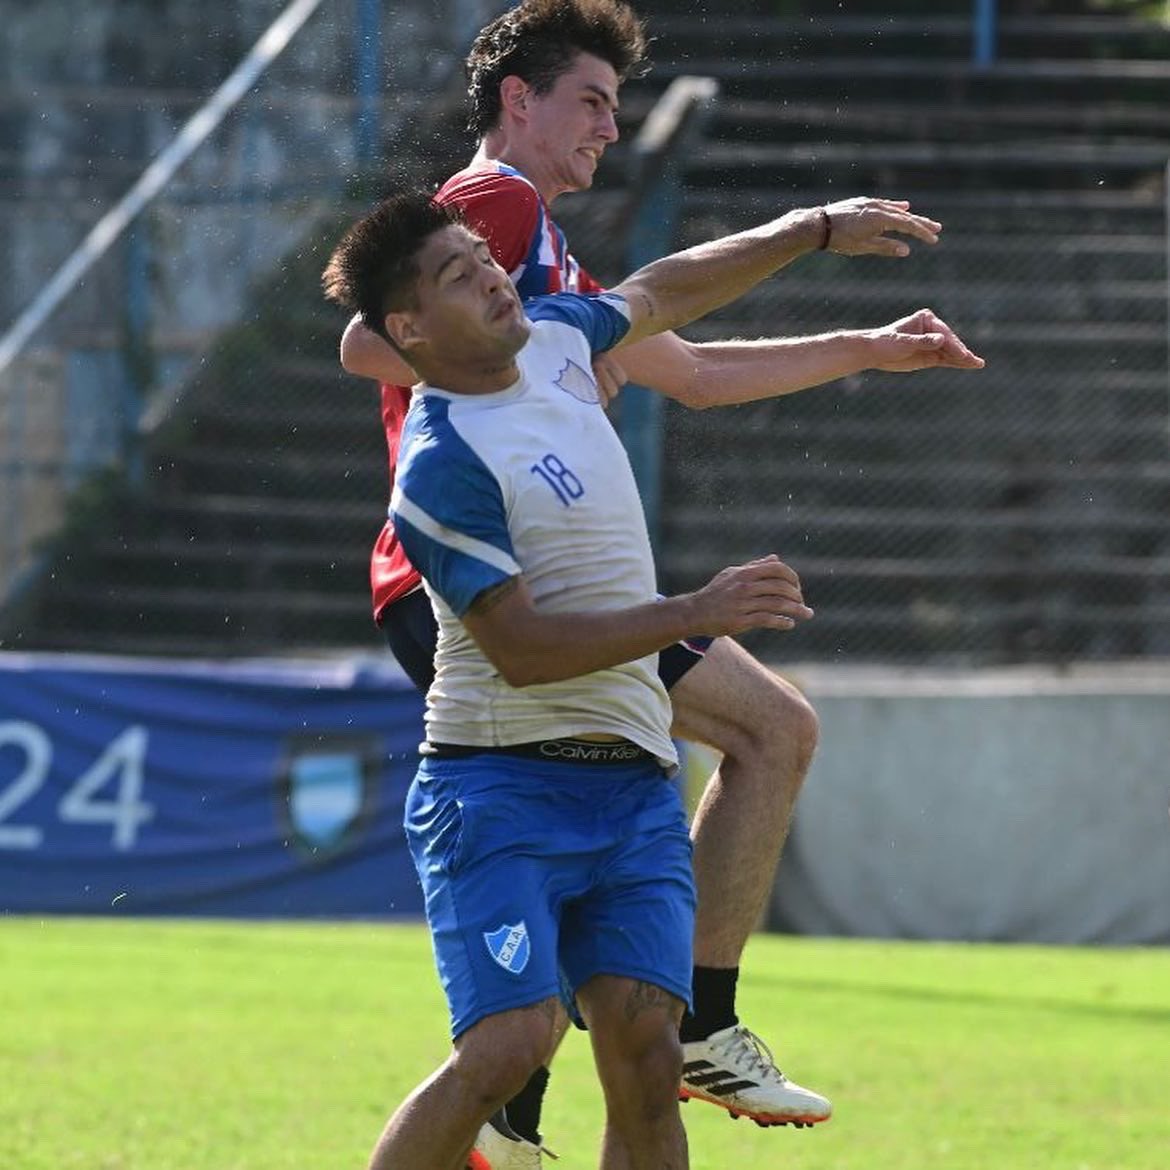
column 552, row 853
column 544, row 83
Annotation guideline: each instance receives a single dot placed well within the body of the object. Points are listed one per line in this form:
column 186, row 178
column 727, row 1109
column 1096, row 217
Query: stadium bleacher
column 1020, row 513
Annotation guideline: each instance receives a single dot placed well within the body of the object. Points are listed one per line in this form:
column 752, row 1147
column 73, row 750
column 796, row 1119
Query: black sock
column 523, row 1111
column 713, row 991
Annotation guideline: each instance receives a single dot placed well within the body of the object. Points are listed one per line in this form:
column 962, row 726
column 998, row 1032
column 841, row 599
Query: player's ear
column 403, row 330
column 514, row 93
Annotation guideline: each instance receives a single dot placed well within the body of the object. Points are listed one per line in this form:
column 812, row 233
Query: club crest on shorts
column 509, row 946
column 578, row 381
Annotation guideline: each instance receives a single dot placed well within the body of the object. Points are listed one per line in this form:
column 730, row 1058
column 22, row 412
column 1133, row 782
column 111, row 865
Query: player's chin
column 584, row 171
column 514, row 331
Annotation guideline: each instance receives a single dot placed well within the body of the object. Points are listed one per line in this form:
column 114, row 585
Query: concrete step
column 1133, row 309
column 245, row 521
column 894, row 121
column 933, row 81
column 308, row 473
column 1011, row 260
column 993, row 213
column 695, row 35
column 216, row 621
column 862, row 531
column 960, row 630
column 295, row 423
column 1032, row 165
column 828, row 424
column 808, row 486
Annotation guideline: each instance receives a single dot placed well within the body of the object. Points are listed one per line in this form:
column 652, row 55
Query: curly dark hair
column 538, row 40
column 374, row 269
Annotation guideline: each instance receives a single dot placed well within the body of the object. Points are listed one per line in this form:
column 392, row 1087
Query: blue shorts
column 541, row 875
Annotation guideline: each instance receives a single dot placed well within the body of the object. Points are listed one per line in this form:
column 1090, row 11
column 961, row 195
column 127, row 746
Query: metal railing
column 156, row 176
column 121, row 326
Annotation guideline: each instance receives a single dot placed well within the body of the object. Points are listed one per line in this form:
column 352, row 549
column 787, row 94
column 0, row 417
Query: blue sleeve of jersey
column 449, row 513
column 604, row 318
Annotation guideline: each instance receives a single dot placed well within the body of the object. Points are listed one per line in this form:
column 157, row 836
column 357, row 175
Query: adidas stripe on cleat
column 734, row 1069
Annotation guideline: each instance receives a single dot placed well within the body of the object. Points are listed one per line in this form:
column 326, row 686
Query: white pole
column 153, row 179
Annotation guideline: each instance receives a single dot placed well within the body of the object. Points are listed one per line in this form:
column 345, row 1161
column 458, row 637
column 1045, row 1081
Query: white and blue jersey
column 531, row 480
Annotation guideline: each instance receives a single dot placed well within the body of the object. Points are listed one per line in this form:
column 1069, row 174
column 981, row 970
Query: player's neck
column 471, row 379
column 495, row 147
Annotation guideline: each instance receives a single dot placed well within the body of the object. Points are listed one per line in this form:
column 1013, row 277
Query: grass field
column 142, row 1045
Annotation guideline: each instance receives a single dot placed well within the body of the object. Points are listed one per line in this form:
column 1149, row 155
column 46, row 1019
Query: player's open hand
column 763, row 594
column 861, row 227
column 919, row 342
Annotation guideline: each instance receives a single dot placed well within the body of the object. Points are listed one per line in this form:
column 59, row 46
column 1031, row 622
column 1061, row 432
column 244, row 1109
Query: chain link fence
column 1017, row 513
column 1021, row 513
column 184, row 403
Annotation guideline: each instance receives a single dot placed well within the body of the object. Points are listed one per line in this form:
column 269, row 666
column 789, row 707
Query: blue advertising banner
column 132, row 786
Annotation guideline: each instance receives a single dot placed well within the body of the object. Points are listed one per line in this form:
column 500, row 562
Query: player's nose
column 492, row 280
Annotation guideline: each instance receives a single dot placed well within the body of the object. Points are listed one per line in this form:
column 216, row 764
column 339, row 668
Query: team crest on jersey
column 509, row 946
column 578, row 382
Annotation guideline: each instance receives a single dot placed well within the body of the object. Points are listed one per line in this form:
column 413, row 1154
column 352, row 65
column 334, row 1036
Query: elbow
column 361, row 351
column 695, row 396
column 695, row 392
column 694, row 379
column 350, row 354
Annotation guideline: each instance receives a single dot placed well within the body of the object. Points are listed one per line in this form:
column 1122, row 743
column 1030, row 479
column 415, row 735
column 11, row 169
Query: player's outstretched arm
column 528, row 646
column 724, row 373
column 679, row 288
column 366, row 355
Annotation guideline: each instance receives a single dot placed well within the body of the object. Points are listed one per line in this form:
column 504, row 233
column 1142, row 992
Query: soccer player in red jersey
column 544, row 80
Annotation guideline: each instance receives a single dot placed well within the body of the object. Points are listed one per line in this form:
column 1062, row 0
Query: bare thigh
column 733, row 703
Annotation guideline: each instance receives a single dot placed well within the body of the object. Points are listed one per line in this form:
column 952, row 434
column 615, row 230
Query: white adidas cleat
column 496, row 1149
column 734, row 1069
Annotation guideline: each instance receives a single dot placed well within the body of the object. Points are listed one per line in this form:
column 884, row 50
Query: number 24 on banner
column 120, row 769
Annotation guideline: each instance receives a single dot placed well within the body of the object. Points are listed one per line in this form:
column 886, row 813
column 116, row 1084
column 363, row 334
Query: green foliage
column 139, row 1045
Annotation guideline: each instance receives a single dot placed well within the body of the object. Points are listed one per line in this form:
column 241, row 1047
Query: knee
column 495, row 1072
column 775, row 723
column 662, row 1066
column 654, row 1070
column 795, row 722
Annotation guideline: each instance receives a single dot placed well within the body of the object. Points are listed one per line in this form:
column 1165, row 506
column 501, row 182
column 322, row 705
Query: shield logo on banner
column 327, row 790
column 509, row 946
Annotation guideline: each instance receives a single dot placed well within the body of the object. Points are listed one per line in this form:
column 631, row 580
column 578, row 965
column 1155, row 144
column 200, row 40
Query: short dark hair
column 538, row 40
column 374, row 269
